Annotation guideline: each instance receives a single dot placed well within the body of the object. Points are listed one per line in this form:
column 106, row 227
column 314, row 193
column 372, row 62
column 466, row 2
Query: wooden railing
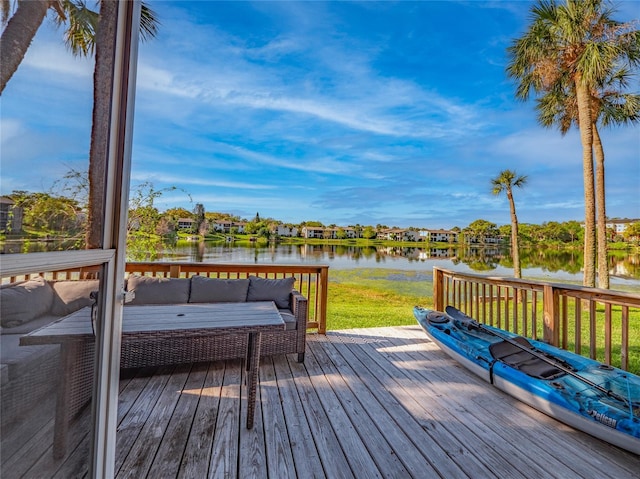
column 311, row 280
column 600, row 323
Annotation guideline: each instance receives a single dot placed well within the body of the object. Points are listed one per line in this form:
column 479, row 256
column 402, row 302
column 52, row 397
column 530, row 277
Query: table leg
column 252, row 366
column 74, row 390
column 68, row 354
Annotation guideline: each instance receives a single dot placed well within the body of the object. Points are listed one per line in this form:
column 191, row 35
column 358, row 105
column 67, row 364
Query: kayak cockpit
column 524, row 361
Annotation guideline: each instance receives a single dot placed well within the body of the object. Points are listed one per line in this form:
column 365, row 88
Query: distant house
column 411, row 235
column 350, row 232
column 389, row 234
column 186, row 223
column 312, row 232
column 10, row 215
column 441, row 236
column 620, row 225
column 398, row 234
column 288, row 231
column 222, row 226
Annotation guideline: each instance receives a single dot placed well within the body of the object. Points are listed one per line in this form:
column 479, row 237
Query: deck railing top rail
column 597, row 322
column 311, row 280
column 583, row 292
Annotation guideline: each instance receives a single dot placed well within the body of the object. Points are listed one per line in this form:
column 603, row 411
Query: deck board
column 279, row 455
column 195, row 460
column 450, row 441
column 379, row 402
column 360, row 459
column 306, row 457
column 512, row 419
column 385, row 441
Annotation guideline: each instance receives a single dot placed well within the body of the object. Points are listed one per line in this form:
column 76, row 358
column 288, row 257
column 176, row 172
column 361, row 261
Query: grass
column 368, row 298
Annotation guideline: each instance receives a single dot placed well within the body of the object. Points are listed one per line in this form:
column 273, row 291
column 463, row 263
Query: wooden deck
column 366, row 403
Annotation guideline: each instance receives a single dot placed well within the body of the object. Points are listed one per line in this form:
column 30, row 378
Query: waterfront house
column 221, row 226
column 10, row 215
column 186, row 223
column 313, row 232
column 442, row 236
column 619, row 226
column 288, row 231
column 399, row 234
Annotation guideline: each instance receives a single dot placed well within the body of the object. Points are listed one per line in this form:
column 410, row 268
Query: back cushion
column 71, row 296
column 215, row 290
column 276, row 290
column 25, row 301
column 152, row 290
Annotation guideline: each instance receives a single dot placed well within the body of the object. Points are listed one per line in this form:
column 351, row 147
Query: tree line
column 62, row 212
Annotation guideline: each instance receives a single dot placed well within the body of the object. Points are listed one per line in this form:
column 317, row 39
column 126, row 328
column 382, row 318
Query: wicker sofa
column 30, row 373
column 199, row 289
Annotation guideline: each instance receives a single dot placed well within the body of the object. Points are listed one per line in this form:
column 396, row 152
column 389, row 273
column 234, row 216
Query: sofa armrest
column 299, row 308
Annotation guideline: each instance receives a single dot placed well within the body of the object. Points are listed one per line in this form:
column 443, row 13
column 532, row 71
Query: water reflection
column 536, row 263
column 40, row 245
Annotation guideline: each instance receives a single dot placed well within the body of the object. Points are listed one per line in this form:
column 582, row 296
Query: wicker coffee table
column 150, row 325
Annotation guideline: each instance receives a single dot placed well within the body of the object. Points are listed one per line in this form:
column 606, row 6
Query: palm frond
column 148, row 23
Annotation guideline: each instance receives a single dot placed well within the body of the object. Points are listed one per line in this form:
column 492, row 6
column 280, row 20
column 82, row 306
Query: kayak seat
column 522, row 360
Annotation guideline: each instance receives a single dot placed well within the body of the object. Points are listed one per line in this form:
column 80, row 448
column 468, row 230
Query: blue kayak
column 590, row 396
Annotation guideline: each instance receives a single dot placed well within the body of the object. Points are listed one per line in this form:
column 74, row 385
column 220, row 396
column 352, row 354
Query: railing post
column 323, row 288
column 438, row 289
column 551, row 307
column 174, row 271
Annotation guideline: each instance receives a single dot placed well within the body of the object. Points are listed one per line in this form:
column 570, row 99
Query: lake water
column 546, row 265
column 541, row 264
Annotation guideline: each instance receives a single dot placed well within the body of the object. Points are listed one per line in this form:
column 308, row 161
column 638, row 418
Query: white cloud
column 10, row 128
column 52, row 57
column 172, row 179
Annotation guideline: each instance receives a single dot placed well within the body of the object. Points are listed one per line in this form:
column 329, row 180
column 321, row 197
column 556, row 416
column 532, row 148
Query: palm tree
column 610, row 106
column 571, row 44
column 506, row 181
column 80, row 34
column 84, row 36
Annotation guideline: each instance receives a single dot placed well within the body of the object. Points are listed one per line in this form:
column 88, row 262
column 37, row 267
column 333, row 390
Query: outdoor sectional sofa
column 199, row 289
column 29, row 373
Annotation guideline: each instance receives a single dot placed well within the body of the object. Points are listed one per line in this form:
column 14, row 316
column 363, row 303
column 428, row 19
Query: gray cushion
column 290, row 322
column 152, row 290
column 216, row 290
column 25, row 301
column 71, row 296
column 24, row 328
column 276, row 290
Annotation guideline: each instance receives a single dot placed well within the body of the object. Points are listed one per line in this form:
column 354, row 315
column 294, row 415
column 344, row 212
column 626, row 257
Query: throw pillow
column 71, row 296
column 25, row 301
column 154, row 290
column 276, row 290
column 216, row 290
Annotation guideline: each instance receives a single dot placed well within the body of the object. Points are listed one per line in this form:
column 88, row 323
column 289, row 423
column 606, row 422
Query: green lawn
column 367, row 298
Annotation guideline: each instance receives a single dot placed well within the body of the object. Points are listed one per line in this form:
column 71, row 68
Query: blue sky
column 395, row 113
